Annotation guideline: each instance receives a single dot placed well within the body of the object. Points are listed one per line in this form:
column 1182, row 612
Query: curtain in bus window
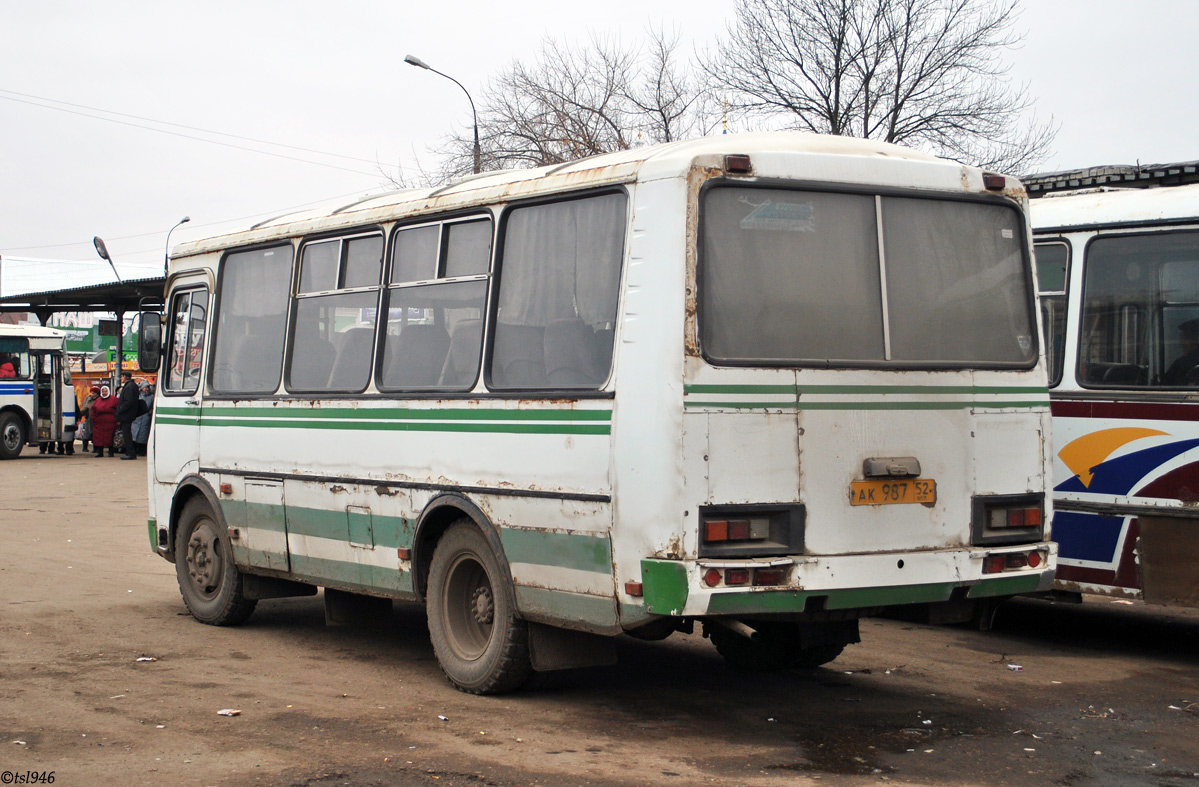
column 434, row 337
column 1140, row 315
column 468, row 248
column 332, row 343
column 319, row 265
column 247, row 353
column 790, row 275
column 414, row 254
column 559, row 286
column 363, row 262
column 957, row 290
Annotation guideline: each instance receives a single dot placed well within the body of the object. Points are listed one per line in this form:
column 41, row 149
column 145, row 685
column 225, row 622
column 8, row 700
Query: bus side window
column 1139, row 294
column 1052, row 267
column 251, row 318
column 187, row 325
column 558, row 291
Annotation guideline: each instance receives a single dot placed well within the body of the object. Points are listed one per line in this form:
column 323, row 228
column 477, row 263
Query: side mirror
column 149, row 342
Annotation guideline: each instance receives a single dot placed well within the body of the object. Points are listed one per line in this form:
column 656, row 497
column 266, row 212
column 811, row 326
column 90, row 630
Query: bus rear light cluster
column 722, row 530
column 1008, row 519
column 735, row 577
column 1013, row 517
column 996, row 564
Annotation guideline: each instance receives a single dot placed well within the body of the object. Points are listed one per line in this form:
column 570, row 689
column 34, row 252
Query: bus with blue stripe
column 754, row 387
column 1119, row 279
column 37, row 398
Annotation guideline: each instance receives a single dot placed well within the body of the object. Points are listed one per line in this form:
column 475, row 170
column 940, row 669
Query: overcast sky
column 330, row 77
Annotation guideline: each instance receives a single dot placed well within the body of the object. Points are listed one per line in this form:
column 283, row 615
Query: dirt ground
column 1108, row 693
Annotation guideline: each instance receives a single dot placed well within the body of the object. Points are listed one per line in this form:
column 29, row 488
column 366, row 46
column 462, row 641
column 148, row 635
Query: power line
column 276, row 212
column 178, row 125
column 12, row 93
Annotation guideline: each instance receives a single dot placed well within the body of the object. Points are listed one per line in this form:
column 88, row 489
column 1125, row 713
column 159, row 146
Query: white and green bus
column 770, row 383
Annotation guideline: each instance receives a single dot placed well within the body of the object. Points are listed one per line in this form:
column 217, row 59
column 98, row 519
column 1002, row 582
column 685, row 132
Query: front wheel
column 209, row 580
column 482, row 647
column 12, row 436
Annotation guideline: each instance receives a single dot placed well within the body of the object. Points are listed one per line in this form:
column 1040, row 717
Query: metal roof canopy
column 127, row 296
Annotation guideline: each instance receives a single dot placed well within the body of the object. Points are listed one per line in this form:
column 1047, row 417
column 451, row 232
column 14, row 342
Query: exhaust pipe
column 737, row 627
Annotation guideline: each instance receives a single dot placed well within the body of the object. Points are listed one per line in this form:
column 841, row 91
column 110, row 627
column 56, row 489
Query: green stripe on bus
column 571, row 609
column 352, row 576
column 864, row 389
column 393, row 426
column 855, row 598
column 664, row 585
column 407, row 413
column 578, row 551
column 389, row 532
column 152, row 524
column 924, row 405
column 1007, row 586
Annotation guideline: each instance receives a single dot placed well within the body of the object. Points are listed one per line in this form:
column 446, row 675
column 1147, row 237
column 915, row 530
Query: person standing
column 104, row 422
column 85, row 416
column 127, row 401
column 141, row 424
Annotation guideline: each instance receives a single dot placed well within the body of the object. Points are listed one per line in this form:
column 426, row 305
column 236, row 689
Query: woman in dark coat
column 104, row 422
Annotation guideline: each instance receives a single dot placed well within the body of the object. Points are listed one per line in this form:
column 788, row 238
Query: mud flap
column 1169, row 549
column 552, row 648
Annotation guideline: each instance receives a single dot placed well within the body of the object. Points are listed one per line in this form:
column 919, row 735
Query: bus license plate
column 886, row 492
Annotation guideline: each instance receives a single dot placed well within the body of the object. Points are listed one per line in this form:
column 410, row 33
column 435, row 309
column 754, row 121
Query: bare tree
column 570, row 103
column 926, row 73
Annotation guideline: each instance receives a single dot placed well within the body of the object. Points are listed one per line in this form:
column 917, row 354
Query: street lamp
column 102, row 250
column 413, row 60
column 166, row 250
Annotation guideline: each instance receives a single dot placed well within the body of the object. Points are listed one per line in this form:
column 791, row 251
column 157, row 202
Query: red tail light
column 768, row 576
column 736, row 576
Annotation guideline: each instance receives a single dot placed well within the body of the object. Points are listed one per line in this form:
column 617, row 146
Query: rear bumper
column 842, row 583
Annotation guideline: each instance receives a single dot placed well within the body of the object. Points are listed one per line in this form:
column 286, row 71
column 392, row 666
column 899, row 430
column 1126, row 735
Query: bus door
column 47, row 396
column 176, row 423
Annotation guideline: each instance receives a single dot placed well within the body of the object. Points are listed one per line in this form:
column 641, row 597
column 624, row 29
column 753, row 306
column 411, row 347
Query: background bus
column 767, row 383
column 1119, row 286
column 37, row 399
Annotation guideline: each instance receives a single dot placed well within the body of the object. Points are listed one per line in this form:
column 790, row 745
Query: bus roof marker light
column 994, row 182
column 738, row 162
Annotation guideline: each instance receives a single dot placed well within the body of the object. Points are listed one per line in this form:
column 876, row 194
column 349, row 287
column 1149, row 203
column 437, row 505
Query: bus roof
column 1114, row 207
column 826, row 158
column 31, row 331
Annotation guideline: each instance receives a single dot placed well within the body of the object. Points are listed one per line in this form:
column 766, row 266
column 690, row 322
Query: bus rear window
column 815, row 278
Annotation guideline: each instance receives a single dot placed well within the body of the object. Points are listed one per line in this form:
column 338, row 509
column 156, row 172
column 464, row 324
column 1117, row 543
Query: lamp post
column 413, row 60
column 102, row 250
column 166, row 249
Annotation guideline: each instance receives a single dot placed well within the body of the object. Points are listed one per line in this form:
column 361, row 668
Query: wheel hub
column 199, row 563
column 483, row 605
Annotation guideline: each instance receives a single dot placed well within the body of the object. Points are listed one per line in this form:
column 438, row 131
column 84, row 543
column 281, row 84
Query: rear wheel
column 778, row 646
column 209, row 580
column 482, row 646
column 12, row 435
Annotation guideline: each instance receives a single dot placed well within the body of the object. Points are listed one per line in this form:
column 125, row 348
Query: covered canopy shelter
column 130, row 295
column 120, row 297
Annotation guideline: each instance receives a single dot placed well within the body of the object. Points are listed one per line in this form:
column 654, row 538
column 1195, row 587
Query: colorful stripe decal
column 864, row 397
column 491, row 420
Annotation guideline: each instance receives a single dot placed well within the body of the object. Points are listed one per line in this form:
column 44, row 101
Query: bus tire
column 12, row 435
column 209, row 580
column 779, row 646
column 482, row 647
